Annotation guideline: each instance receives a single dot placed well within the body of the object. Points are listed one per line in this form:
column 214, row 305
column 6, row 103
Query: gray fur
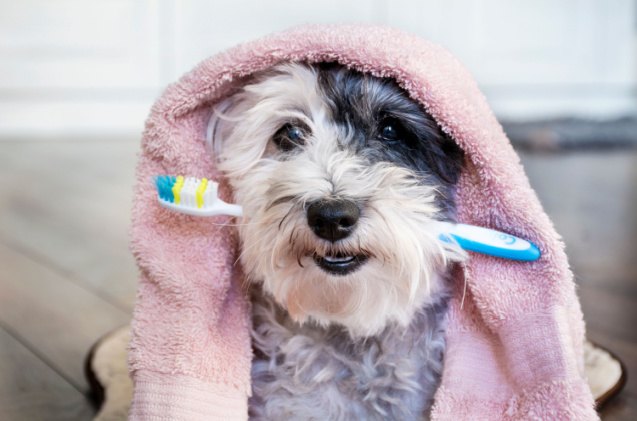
column 308, row 372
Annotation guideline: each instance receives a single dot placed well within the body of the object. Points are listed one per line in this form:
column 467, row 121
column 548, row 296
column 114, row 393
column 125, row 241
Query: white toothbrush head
column 192, row 196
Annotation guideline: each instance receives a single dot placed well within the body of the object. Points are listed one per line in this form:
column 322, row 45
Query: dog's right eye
column 289, row 137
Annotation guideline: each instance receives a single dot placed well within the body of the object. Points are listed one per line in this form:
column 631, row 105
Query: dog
column 342, row 178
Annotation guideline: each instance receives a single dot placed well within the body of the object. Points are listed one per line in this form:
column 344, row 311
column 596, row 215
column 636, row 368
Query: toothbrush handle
column 492, row 242
column 230, row 209
column 218, row 208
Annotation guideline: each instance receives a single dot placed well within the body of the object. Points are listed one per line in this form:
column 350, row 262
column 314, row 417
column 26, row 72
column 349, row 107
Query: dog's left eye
column 391, row 130
column 288, row 137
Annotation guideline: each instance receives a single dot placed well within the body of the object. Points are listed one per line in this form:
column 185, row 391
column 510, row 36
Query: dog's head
column 342, row 178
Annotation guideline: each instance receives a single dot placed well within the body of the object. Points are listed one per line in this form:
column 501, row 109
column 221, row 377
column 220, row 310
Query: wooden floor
column 66, row 276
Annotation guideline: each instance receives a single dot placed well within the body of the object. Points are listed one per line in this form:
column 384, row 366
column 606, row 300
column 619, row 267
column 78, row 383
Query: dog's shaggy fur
column 348, row 316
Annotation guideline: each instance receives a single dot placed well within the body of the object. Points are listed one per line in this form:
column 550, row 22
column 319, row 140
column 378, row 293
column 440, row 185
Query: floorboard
column 31, row 390
column 52, row 314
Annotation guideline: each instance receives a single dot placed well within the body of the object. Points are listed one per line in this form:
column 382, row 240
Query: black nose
column 332, row 219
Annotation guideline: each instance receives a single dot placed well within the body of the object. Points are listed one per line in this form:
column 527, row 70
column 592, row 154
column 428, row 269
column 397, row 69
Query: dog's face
column 342, row 178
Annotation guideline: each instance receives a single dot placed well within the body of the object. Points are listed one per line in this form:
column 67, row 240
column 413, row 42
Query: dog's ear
column 216, row 130
column 450, row 166
column 442, row 155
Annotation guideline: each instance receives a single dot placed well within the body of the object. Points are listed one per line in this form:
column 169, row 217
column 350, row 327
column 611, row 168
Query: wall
column 77, row 67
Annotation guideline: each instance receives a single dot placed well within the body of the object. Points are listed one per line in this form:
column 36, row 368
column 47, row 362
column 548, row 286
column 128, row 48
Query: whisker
column 231, row 224
column 245, row 249
column 285, row 217
column 299, row 256
column 294, row 231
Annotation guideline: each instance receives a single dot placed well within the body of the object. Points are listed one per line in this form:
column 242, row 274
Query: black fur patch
column 380, row 121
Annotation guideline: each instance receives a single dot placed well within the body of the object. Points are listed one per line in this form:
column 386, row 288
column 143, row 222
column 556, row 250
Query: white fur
column 396, row 227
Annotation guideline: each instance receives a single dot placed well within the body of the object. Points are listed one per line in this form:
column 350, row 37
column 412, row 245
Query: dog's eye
column 391, row 130
column 289, row 136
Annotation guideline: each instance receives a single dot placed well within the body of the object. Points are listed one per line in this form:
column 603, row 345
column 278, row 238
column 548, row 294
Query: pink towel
column 515, row 333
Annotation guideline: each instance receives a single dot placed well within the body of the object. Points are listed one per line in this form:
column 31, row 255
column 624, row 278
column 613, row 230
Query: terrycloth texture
column 514, row 343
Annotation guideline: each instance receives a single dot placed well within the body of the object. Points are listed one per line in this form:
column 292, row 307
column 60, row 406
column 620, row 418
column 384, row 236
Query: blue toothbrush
column 198, row 197
column 488, row 241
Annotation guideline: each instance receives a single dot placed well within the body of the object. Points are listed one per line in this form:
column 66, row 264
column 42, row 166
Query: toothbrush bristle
column 188, row 192
column 164, row 184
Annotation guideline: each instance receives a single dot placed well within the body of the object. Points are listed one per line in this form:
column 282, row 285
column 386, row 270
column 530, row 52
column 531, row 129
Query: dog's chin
column 357, row 292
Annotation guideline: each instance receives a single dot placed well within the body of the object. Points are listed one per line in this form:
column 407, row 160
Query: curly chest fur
column 309, row 372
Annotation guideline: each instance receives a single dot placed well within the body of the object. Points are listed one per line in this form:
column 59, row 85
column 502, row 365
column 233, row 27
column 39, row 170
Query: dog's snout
column 332, row 219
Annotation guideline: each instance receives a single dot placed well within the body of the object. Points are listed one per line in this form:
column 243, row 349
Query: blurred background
column 77, row 79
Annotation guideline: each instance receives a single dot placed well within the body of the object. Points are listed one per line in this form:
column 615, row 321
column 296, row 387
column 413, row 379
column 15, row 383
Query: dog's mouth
column 340, row 263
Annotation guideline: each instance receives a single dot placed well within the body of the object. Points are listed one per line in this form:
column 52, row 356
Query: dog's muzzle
column 333, row 220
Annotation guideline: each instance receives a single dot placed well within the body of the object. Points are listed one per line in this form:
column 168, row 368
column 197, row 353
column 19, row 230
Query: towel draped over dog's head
column 515, row 329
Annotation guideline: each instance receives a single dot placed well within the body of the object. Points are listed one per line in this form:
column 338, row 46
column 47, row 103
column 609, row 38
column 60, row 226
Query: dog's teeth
column 334, row 259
